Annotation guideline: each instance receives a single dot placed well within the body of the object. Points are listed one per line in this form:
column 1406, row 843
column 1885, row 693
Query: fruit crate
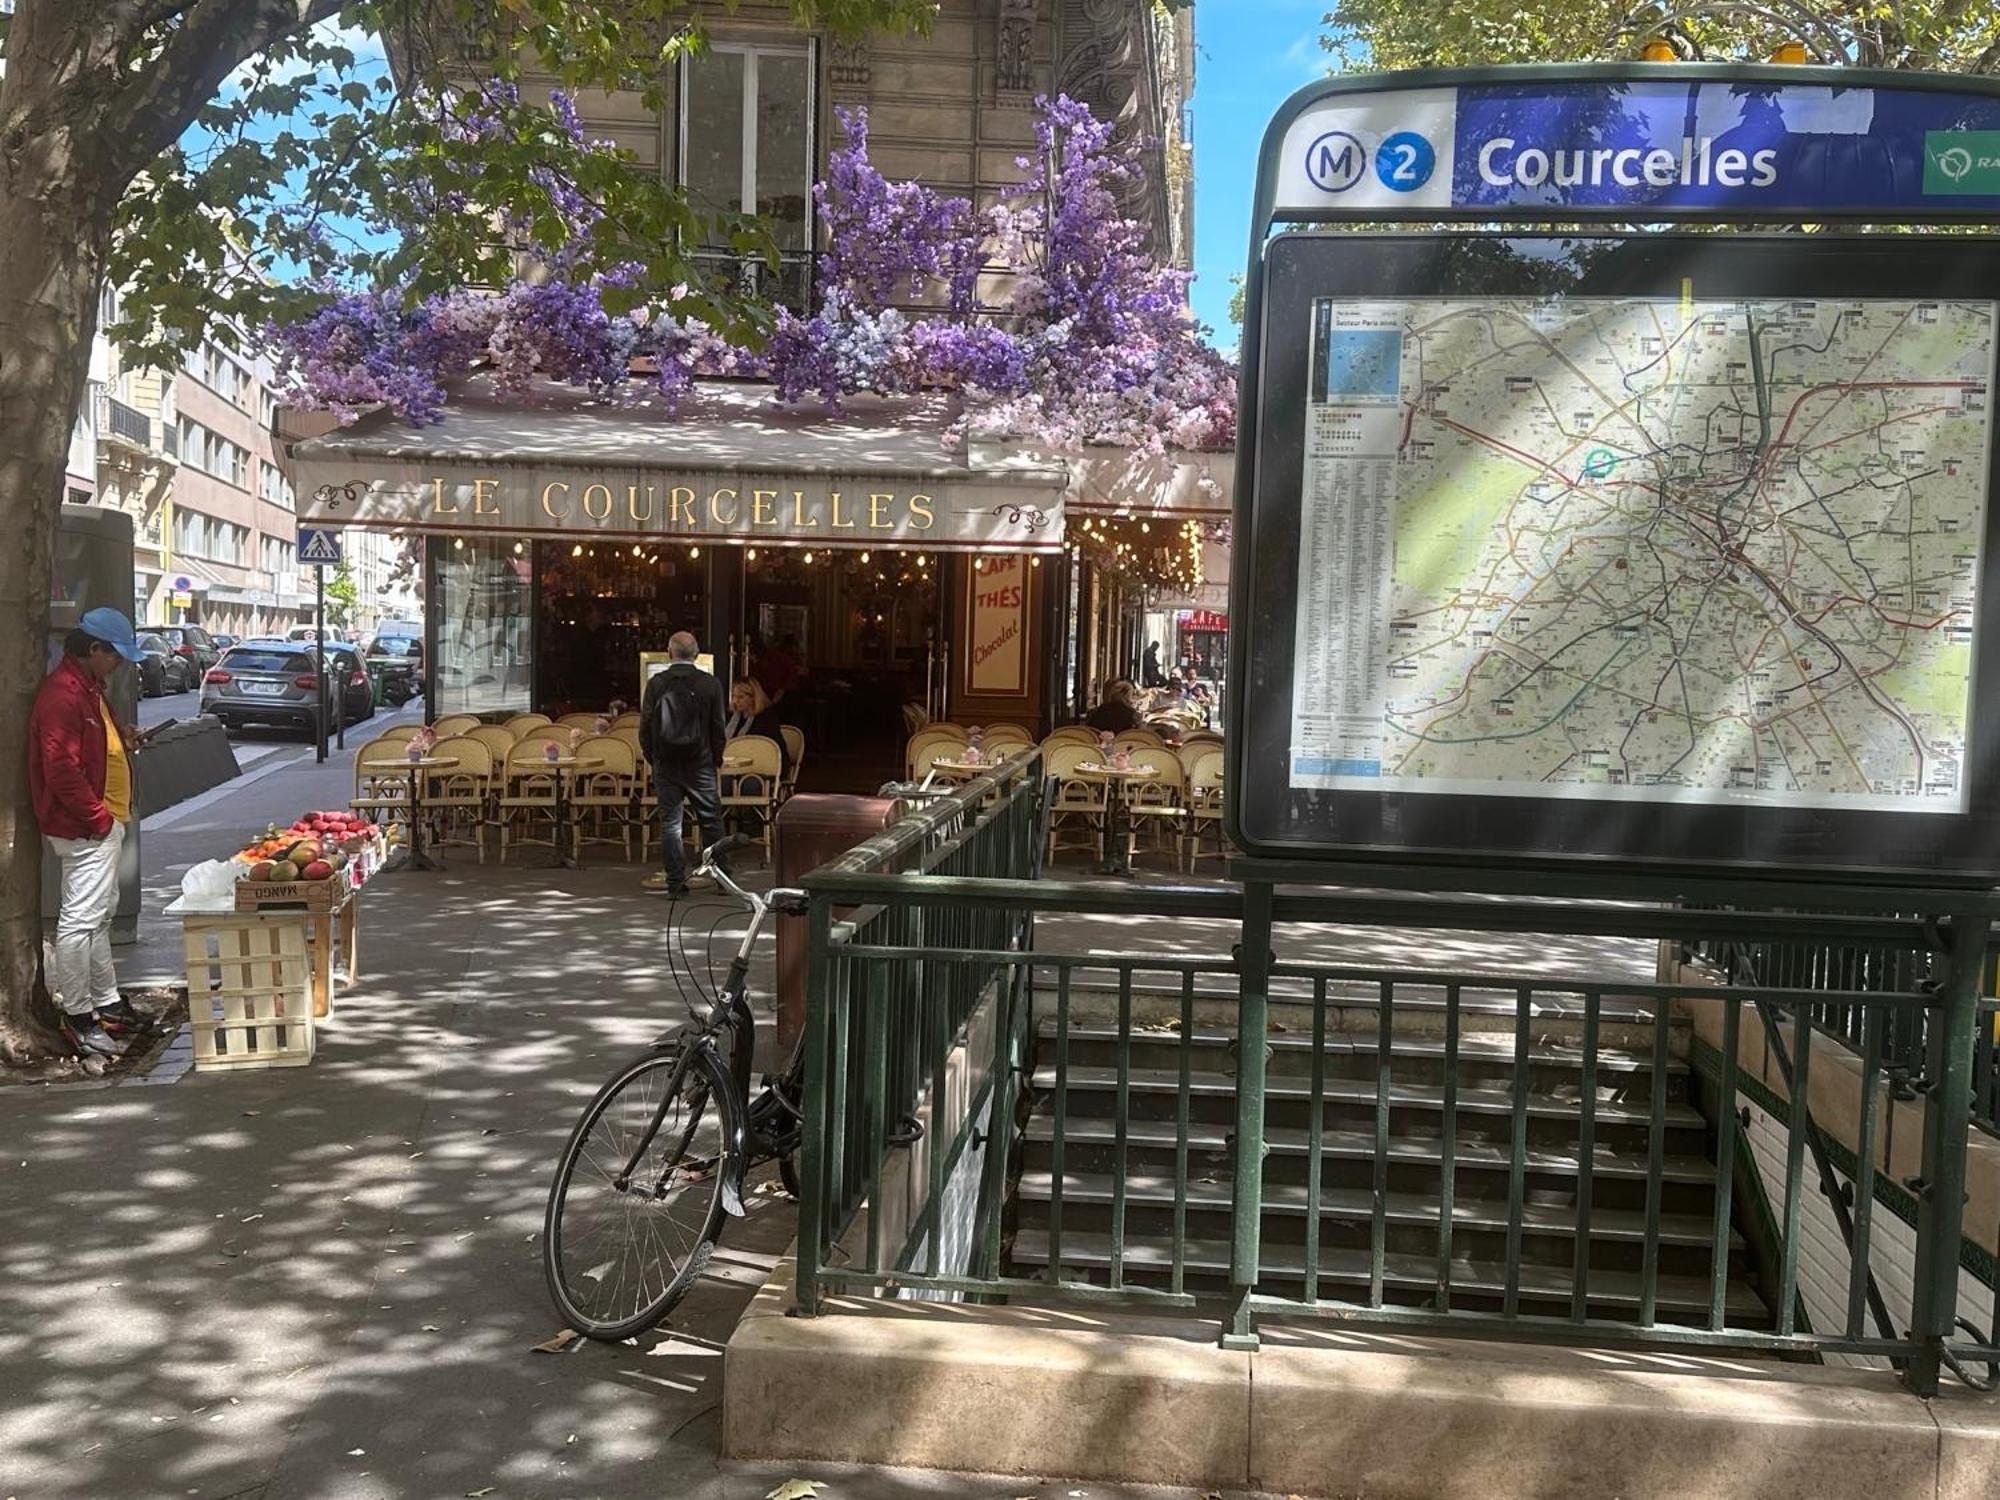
column 294, row 895
column 248, row 999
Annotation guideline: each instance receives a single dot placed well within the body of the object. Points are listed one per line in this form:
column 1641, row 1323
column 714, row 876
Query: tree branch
column 213, row 39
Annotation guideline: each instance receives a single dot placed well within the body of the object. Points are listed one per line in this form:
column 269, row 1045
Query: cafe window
column 746, row 133
column 482, row 602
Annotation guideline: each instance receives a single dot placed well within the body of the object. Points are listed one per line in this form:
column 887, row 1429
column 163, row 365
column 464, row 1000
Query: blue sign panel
column 319, row 547
column 1715, row 146
column 1648, row 146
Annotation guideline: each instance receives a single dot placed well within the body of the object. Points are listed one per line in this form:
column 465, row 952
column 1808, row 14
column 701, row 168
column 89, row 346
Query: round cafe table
column 1117, row 834
column 412, row 773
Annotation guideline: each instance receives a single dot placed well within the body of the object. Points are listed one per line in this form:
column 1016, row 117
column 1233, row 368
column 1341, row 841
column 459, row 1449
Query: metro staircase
column 1485, row 1066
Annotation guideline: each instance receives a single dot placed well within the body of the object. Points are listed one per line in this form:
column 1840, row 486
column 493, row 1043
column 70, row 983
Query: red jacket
column 67, row 752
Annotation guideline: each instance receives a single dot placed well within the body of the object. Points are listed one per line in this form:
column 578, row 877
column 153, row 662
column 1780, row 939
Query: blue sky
column 1251, row 55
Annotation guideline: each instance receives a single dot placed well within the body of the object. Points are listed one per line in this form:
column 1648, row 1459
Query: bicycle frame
column 730, row 1014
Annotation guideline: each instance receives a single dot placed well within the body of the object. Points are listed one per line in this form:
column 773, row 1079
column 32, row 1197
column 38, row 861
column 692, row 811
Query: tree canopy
column 1944, row 35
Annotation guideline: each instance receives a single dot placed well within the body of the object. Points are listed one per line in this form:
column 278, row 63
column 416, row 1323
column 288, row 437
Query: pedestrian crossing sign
column 319, row 547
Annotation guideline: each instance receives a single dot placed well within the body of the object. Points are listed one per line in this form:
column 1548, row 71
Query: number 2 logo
column 1404, row 162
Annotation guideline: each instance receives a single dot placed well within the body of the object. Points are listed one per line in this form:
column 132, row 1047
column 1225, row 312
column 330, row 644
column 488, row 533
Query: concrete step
column 1477, row 994
column 1292, row 1088
column 1471, row 1155
column 1347, row 1204
column 1481, row 1056
column 1544, row 1288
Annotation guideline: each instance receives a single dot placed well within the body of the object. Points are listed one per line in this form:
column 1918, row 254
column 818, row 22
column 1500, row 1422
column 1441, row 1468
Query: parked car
column 312, row 633
column 224, row 642
column 400, row 660
column 191, row 643
column 279, row 682
column 161, row 670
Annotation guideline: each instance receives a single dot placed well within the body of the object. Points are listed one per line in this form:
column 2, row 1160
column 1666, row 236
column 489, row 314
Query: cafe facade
column 879, row 553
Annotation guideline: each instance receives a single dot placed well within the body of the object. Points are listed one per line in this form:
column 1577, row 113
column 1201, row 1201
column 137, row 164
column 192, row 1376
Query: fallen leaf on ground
column 475, row 1494
column 556, row 1343
column 796, row 1489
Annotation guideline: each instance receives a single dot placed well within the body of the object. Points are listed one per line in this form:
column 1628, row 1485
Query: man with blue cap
column 80, row 782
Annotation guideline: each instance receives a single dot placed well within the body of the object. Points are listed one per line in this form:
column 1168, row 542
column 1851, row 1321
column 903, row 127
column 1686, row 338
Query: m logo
column 1336, row 161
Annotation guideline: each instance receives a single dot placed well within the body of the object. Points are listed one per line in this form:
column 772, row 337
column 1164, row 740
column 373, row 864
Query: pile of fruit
column 315, row 848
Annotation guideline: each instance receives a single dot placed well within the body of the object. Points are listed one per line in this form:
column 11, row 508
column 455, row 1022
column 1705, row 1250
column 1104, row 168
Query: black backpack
column 682, row 723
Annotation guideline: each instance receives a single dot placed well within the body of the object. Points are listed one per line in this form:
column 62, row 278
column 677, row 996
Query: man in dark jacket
column 681, row 733
column 80, row 783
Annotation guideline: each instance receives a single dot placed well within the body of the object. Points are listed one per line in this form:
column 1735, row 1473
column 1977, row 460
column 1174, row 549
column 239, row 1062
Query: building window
column 78, row 497
column 747, row 140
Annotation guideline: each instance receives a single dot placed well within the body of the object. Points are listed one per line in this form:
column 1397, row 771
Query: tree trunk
column 56, row 210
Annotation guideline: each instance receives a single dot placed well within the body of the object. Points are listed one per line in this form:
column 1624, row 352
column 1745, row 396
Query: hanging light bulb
column 517, row 549
column 694, row 552
column 458, row 544
column 577, row 550
column 809, row 558
column 751, row 555
column 864, row 557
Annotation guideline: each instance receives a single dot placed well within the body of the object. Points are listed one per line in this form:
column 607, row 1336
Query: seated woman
column 751, row 712
column 1115, row 714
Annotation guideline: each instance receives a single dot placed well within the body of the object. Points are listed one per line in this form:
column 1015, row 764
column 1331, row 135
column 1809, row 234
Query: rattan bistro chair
column 529, row 797
column 453, row 725
column 795, row 741
column 1157, row 805
column 753, row 786
column 522, row 724
column 383, row 795
column 1204, row 803
column 459, row 800
column 606, row 796
column 1077, row 806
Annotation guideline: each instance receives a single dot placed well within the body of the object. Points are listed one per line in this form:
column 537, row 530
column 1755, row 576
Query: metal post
column 1253, row 962
column 319, row 654
column 816, row 1122
column 1941, row 1191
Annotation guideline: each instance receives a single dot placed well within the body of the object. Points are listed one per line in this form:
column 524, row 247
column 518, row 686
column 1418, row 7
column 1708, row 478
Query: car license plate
column 264, row 689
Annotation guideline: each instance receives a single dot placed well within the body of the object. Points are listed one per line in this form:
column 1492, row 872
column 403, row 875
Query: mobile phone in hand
column 147, row 734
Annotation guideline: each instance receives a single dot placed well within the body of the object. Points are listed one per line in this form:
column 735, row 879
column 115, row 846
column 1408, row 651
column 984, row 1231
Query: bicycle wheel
column 619, row 1250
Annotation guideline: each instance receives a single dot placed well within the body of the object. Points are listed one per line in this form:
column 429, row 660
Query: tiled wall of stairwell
column 1823, row 1258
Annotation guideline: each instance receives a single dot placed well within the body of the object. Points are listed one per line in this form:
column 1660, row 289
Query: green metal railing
column 878, row 1034
column 1603, row 1215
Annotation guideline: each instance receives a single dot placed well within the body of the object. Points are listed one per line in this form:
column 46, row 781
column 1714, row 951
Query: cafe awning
column 728, row 463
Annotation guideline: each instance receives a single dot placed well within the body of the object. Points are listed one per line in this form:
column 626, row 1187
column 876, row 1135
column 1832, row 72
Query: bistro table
column 565, row 767
column 1117, row 834
column 412, row 772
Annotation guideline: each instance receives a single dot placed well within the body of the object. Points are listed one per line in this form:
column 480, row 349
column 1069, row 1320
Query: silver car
column 280, row 683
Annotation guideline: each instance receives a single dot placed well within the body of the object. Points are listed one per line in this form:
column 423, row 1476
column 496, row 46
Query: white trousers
column 84, row 977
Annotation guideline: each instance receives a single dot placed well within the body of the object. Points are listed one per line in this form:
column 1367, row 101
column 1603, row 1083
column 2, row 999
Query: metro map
column 1645, row 548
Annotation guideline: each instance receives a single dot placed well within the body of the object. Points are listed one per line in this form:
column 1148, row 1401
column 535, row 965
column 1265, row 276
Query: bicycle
column 663, row 1148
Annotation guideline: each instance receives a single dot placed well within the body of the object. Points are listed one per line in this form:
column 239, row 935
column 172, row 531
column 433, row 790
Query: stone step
column 1478, row 999
column 1484, row 1048
column 1293, row 1088
column 1348, row 1204
column 1471, row 1155
column 1149, row 1261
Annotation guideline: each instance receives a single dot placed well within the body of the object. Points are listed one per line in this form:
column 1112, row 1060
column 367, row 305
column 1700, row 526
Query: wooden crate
column 248, row 990
column 295, row 895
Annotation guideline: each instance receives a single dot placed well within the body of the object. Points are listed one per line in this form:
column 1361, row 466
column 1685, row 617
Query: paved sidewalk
column 325, row 1283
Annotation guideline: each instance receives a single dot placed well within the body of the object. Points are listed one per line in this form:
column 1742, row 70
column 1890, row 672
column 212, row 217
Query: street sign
column 181, row 599
column 319, row 547
column 1681, row 141
column 1518, row 569
column 183, row 584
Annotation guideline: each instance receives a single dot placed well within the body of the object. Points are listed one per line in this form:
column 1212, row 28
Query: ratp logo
column 1336, row 161
column 1955, row 162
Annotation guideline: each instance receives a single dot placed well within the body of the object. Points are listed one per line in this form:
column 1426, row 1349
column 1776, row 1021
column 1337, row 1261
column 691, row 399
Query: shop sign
column 855, row 511
column 997, row 606
column 1204, row 619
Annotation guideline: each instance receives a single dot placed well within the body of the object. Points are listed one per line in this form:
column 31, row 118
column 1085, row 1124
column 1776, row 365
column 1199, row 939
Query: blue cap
column 111, row 627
